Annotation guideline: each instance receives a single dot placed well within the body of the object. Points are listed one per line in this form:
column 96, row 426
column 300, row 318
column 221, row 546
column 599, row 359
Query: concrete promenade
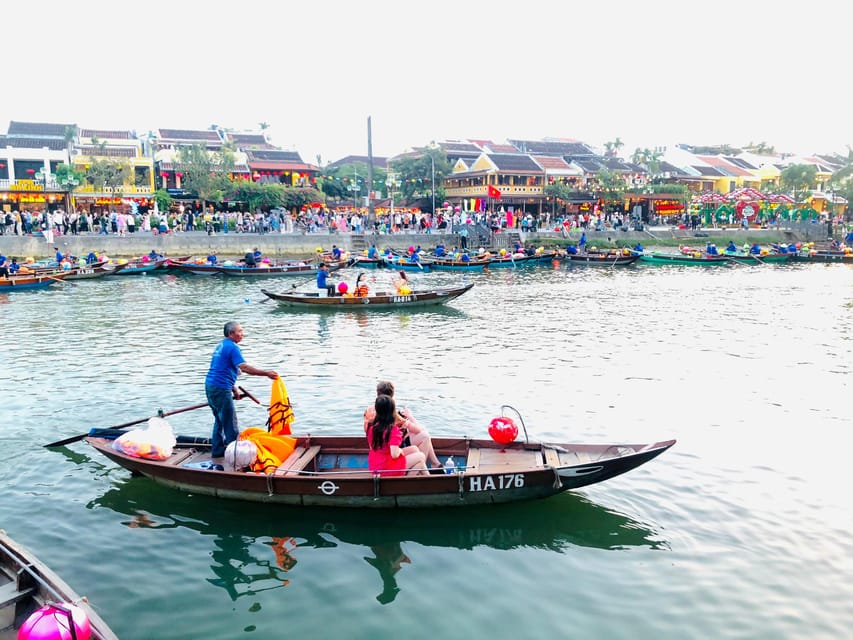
column 298, row 245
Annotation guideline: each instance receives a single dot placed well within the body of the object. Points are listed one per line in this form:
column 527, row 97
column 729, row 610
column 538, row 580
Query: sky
column 652, row 73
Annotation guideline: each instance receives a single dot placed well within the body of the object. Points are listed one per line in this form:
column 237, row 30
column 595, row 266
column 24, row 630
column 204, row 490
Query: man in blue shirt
column 220, row 386
column 372, row 252
column 322, row 279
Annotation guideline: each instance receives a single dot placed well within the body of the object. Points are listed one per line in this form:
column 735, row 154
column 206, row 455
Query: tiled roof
column 589, row 165
column 726, row 168
column 281, row 166
column 103, row 134
column 670, row 168
column 54, row 144
column 273, row 155
column 551, row 148
column 378, row 161
column 514, row 162
column 740, row 162
column 35, row 129
column 457, row 148
column 709, row 171
column 551, row 162
column 501, row 148
column 188, row 134
column 635, row 167
column 615, row 164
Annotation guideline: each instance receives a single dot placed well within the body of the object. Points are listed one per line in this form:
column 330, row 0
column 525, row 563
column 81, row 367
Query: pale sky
column 652, row 73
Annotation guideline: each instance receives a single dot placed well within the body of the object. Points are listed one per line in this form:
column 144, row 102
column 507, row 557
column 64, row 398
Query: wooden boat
column 363, row 262
column 27, row 584
column 31, row 281
column 267, row 270
column 749, row 258
column 685, row 259
column 824, row 256
column 197, row 268
column 312, row 299
column 139, row 267
column 332, row 471
column 404, row 264
column 602, row 258
column 94, row 270
column 449, row 264
column 512, row 260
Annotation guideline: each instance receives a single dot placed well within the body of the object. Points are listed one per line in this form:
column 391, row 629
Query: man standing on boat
column 219, row 385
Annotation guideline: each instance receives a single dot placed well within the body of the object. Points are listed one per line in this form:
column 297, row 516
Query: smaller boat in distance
column 312, row 299
column 29, row 588
column 265, row 270
column 603, row 258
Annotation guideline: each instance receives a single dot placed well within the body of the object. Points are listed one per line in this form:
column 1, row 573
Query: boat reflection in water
column 243, row 532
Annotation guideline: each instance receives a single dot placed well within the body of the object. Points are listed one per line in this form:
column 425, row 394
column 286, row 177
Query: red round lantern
column 503, row 430
column 53, row 622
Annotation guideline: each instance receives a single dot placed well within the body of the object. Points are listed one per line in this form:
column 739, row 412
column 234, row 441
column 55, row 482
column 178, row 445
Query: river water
column 741, row 530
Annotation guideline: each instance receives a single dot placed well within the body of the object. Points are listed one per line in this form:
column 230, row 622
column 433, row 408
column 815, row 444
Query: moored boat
column 265, row 270
column 93, row 270
column 602, row 258
column 27, row 586
column 702, row 259
column 824, row 256
column 439, row 264
column 313, row 300
column 139, row 266
column 332, row 471
column 30, row 281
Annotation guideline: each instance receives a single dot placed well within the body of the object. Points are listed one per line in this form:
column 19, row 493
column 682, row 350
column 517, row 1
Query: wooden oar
column 160, row 414
column 248, row 395
column 73, row 284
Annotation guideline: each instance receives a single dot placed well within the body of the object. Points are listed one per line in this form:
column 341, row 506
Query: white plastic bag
column 153, row 443
column 240, row 455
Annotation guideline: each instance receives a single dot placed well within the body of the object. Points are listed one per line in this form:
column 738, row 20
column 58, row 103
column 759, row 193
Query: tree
column 842, row 180
column 798, row 178
column 416, row 173
column 206, row 172
column 611, row 185
column 163, row 199
column 612, row 148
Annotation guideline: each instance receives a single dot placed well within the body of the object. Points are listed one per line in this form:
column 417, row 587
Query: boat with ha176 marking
column 332, row 471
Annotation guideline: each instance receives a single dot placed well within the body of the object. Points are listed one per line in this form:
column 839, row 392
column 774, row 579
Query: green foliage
column 798, row 178
column 206, row 172
column 415, row 173
column 104, row 172
column 163, row 199
column 611, row 185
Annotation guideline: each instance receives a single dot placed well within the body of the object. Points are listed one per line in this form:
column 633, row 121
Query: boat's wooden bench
column 473, row 460
column 297, row 461
column 11, row 592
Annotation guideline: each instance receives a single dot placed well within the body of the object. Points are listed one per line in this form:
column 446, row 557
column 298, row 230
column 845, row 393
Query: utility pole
column 371, row 214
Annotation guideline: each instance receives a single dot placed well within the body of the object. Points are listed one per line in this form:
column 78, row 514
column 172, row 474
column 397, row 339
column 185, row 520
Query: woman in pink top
column 385, row 439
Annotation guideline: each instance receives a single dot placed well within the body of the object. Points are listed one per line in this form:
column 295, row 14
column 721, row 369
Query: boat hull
column 27, row 584
column 674, row 258
column 332, row 472
column 312, row 300
column 601, row 259
column 825, row 257
column 30, row 282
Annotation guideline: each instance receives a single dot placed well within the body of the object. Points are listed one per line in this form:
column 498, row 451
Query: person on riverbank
column 387, row 456
column 418, row 435
column 220, row 386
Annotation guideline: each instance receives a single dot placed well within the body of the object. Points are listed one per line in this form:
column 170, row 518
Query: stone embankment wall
column 274, row 245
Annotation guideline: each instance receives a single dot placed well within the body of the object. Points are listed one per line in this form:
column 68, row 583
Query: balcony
column 481, row 191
